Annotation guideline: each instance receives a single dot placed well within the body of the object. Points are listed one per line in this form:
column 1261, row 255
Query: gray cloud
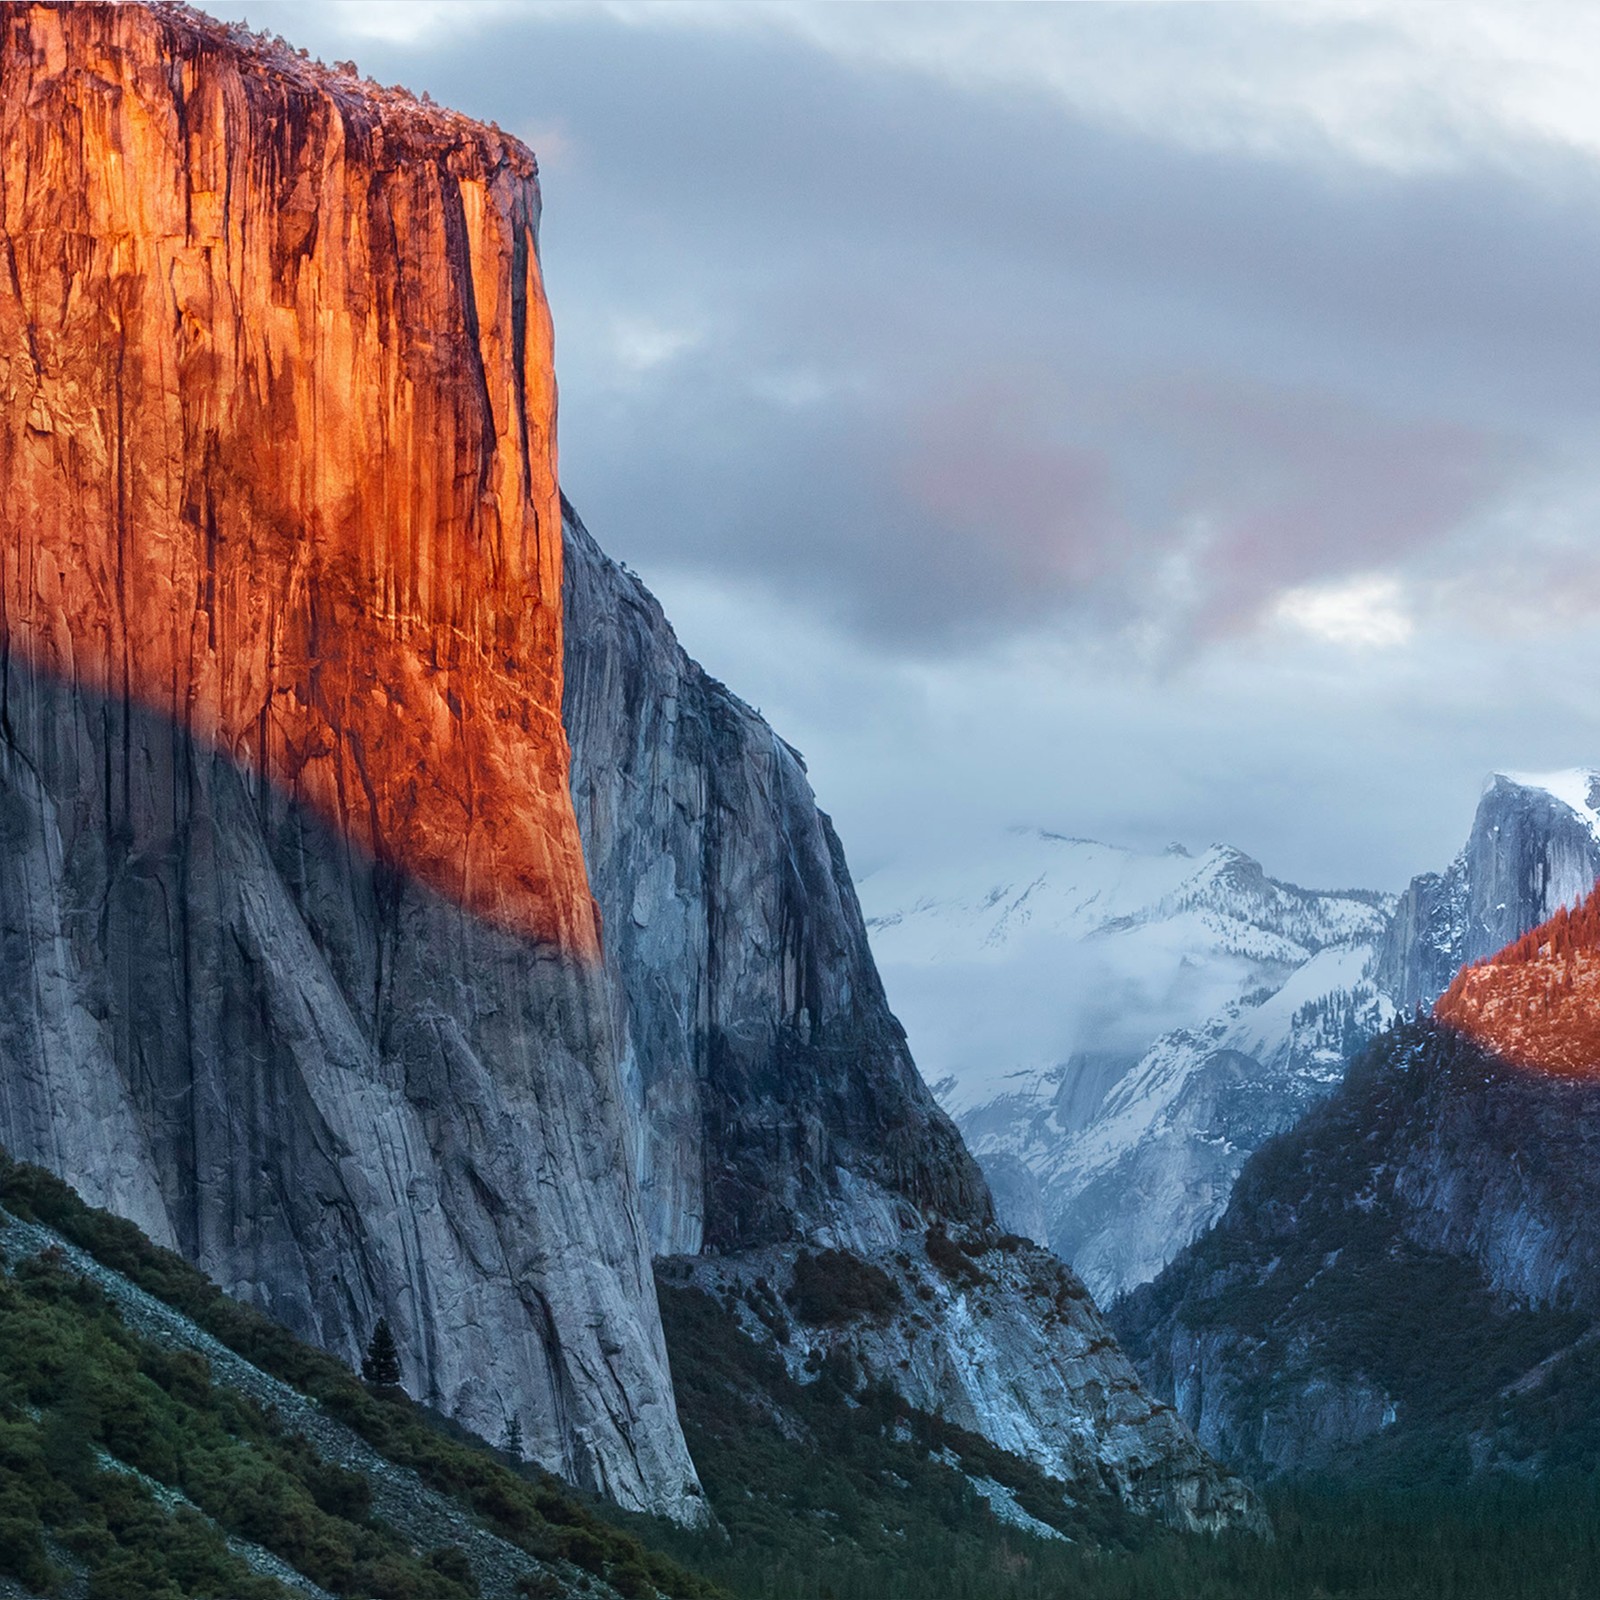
column 1080, row 296
column 917, row 373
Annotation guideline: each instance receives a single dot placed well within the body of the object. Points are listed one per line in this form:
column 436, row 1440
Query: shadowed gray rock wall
column 775, row 1091
column 339, row 1095
column 778, row 1106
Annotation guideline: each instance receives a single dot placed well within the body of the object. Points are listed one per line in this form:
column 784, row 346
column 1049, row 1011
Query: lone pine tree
column 511, row 1438
column 380, row 1367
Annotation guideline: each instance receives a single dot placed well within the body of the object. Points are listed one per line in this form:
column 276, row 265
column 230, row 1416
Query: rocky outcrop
column 1412, row 1272
column 1117, row 1147
column 781, row 1120
column 1534, row 847
column 297, row 950
column 776, row 1095
column 996, row 1336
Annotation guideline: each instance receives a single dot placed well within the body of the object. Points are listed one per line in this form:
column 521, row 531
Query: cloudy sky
column 1144, row 421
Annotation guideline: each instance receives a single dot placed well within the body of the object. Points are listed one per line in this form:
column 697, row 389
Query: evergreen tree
column 511, row 1438
column 380, row 1367
column 69, row 1431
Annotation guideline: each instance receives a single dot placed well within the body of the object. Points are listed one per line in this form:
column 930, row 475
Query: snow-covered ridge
column 1115, row 1031
column 1032, row 883
column 1048, row 947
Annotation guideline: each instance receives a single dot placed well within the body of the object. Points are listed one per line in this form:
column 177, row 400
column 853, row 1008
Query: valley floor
column 828, row 1491
column 1508, row 1542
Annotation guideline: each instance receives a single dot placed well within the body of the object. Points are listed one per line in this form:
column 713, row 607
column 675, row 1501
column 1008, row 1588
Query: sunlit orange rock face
column 1537, row 1002
column 277, row 452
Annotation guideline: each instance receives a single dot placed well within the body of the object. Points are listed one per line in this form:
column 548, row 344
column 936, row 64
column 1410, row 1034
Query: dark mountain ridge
column 1407, row 1281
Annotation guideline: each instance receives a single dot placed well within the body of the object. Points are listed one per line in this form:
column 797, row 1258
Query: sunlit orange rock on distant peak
column 277, row 449
column 1536, row 1003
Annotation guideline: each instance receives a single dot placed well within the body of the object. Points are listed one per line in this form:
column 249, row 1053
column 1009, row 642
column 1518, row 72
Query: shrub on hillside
column 834, row 1287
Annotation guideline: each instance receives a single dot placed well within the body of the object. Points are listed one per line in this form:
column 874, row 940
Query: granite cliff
column 776, row 1096
column 299, row 950
column 791, row 1160
column 302, row 967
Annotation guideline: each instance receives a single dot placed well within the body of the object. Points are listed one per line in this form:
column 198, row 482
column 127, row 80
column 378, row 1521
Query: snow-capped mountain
column 1449, row 1180
column 1534, row 847
column 1116, row 1032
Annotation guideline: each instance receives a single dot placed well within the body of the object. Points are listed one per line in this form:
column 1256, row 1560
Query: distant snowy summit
column 1115, row 1032
column 1534, row 847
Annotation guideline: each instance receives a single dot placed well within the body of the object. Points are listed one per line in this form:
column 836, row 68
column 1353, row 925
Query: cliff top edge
column 418, row 122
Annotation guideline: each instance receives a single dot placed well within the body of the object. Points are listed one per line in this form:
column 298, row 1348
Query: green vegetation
column 1502, row 1540
column 380, row 1366
column 1312, row 1276
column 954, row 1259
column 529, row 1508
column 835, row 1287
column 74, row 1382
column 828, row 1490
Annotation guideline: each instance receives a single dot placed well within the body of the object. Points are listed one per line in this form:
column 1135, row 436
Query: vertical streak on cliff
column 277, row 348
column 298, row 960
